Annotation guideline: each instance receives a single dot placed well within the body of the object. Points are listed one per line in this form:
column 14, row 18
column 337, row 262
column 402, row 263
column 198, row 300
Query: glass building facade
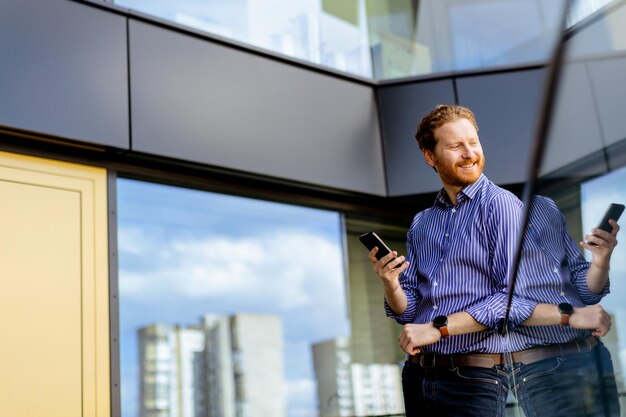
column 386, row 39
column 248, row 294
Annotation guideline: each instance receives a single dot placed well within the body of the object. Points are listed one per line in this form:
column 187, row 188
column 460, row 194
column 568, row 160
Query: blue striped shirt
column 552, row 270
column 460, row 257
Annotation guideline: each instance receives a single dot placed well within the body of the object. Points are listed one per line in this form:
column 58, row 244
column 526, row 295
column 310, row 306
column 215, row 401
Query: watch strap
column 441, row 323
column 566, row 311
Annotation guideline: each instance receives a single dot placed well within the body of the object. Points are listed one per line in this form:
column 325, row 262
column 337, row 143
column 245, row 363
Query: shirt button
column 446, row 235
column 453, row 210
column 562, row 293
column 441, row 260
column 555, row 270
column 434, row 307
column 435, row 284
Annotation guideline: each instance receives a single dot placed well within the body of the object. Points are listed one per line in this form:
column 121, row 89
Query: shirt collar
column 469, row 191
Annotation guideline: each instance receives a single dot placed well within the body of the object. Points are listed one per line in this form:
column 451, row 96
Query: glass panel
column 227, row 303
column 575, row 355
column 384, row 39
column 455, row 35
column 329, row 33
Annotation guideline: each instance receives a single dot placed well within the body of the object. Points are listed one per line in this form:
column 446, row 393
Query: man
column 562, row 370
column 450, row 290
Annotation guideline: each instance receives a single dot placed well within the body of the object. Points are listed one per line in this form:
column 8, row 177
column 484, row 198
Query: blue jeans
column 577, row 385
column 456, row 392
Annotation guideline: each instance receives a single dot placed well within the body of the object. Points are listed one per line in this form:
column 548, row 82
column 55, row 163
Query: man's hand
column 591, row 318
column 601, row 244
column 385, row 267
column 415, row 335
column 394, row 294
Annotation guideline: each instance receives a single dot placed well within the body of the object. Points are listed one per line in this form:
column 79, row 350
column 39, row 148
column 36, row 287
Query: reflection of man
column 454, row 284
column 563, row 368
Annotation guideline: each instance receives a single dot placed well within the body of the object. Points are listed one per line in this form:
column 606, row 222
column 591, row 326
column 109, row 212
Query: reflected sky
column 184, row 253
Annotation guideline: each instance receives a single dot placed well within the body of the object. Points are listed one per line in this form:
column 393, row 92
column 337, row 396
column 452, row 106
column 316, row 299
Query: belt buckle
column 423, row 363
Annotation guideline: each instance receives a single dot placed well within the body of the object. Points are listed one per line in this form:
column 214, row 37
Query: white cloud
column 131, row 240
column 291, row 268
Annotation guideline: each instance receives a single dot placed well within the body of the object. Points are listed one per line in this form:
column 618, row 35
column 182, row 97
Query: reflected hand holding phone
column 613, row 212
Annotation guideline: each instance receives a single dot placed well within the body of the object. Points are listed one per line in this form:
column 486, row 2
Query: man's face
column 458, row 155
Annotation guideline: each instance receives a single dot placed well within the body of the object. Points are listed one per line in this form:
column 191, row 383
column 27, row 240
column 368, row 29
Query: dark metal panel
column 401, row 108
column 506, row 107
column 607, row 80
column 63, row 71
column 575, row 133
column 199, row 101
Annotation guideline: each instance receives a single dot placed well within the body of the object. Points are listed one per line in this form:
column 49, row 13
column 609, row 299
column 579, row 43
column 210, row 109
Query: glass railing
column 382, row 39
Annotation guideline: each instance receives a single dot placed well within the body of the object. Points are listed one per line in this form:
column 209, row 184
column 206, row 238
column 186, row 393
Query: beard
column 452, row 175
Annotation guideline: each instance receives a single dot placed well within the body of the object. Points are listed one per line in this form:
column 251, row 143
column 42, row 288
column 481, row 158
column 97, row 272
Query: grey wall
column 608, row 79
column 575, row 132
column 506, row 107
column 199, row 101
column 401, row 108
column 63, row 71
column 590, row 115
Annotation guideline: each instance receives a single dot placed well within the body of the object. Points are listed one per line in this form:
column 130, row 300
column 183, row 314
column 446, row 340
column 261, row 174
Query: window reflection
column 329, row 33
column 596, row 194
column 382, row 39
column 223, row 300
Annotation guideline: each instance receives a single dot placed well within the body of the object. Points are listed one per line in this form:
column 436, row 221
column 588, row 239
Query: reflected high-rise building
column 345, row 388
column 227, row 366
column 171, row 371
column 244, row 366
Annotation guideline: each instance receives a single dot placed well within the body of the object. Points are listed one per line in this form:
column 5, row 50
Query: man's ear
column 429, row 157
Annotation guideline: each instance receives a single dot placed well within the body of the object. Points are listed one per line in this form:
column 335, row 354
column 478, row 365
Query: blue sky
column 185, row 253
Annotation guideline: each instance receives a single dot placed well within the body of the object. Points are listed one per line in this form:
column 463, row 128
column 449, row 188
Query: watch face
column 440, row 321
column 566, row 308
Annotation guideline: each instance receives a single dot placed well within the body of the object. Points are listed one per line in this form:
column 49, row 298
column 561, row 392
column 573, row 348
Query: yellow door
column 54, row 333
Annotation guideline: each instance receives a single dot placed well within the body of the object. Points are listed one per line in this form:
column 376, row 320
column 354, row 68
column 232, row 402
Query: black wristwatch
column 441, row 323
column 566, row 310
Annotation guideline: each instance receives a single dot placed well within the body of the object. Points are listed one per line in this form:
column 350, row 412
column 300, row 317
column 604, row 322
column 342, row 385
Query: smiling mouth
column 466, row 166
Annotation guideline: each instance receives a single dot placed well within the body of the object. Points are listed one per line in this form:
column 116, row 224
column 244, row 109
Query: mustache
column 468, row 162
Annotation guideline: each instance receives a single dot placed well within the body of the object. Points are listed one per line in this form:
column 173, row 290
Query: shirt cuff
column 406, row 317
column 521, row 310
column 589, row 297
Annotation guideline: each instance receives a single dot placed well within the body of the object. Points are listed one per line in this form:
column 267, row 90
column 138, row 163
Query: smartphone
column 371, row 240
column 613, row 211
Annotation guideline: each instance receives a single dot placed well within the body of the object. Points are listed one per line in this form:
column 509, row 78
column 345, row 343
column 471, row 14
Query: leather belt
column 489, row 360
column 539, row 353
column 480, row 360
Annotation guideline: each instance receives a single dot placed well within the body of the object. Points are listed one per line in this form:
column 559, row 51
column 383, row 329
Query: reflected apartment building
column 226, row 366
column 345, row 388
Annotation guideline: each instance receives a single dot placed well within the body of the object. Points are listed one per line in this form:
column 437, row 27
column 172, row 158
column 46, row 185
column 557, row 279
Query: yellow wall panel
column 54, row 355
